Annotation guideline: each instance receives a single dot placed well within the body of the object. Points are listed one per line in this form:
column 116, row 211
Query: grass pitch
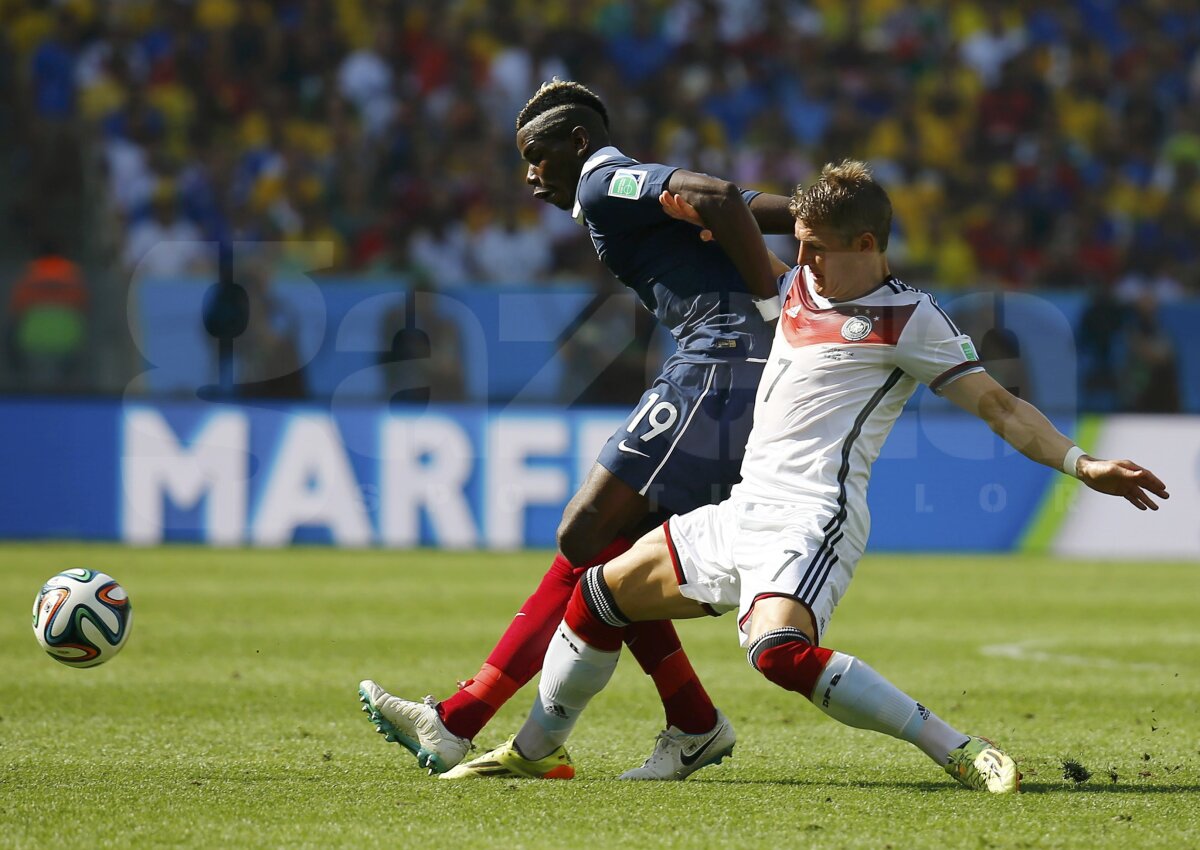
column 231, row 718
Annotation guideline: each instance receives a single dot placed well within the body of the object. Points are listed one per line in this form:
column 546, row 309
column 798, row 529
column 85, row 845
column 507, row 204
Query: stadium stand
column 1045, row 148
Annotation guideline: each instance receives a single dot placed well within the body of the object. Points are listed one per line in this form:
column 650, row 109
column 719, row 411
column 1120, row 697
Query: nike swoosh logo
column 689, row 760
column 621, row 445
column 793, row 311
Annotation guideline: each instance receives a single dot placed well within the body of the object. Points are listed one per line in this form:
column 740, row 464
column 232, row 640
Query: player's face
column 553, row 167
column 840, row 268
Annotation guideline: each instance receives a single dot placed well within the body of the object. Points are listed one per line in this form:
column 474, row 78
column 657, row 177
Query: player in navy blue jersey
column 680, row 448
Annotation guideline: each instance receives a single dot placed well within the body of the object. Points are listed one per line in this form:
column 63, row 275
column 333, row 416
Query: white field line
column 1029, row 650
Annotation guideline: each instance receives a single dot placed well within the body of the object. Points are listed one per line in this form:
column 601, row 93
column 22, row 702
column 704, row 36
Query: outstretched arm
column 720, row 205
column 1026, row 429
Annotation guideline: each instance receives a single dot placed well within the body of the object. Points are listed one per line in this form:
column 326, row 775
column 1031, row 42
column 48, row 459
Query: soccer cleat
column 677, row 755
column 505, row 762
column 981, row 766
column 416, row 726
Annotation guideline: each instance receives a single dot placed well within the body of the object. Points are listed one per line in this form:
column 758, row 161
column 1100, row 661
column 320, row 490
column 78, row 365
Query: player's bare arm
column 764, row 213
column 1026, row 429
column 720, row 205
column 772, row 213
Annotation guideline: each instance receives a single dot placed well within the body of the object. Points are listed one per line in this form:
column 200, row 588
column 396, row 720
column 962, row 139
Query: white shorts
column 731, row 555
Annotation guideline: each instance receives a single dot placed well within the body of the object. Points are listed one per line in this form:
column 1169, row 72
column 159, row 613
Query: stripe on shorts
column 712, row 371
column 679, row 578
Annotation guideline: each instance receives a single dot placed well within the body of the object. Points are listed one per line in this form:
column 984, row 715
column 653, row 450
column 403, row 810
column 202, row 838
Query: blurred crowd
column 1025, row 144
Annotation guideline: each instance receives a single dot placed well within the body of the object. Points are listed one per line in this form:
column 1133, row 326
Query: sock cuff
column 772, row 639
column 581, row 621
column 599, row 599
column 492, row 686
column 584, row 648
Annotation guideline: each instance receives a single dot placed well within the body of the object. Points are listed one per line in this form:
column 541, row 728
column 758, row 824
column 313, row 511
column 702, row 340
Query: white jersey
column 839, row 374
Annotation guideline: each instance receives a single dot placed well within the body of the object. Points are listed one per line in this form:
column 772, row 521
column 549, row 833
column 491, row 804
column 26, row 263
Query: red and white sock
column 579, row 662
column 851, row 692
column 518, row 654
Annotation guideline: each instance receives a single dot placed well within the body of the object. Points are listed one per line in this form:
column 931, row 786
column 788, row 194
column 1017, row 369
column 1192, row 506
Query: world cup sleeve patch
column 627, row 183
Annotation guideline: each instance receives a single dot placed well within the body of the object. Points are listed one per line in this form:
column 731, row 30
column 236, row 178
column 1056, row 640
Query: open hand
column 1123, row 478
column 676, row 207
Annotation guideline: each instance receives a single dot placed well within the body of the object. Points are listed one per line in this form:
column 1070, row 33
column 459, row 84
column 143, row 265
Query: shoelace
column 432, row 702
column 659, row 739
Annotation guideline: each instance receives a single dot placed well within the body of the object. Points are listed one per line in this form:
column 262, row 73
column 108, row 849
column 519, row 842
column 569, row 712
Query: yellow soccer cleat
column 505, row 762
column 981, row 766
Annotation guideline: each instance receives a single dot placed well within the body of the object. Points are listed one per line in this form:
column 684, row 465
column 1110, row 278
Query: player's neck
column 869, row 284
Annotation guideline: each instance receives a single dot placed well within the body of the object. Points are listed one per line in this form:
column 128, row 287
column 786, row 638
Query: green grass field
column 231, row 718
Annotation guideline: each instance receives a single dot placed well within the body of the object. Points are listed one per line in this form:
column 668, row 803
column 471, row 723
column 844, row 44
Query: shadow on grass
column 934, row 786
column 927, row 786
column 1106, row 788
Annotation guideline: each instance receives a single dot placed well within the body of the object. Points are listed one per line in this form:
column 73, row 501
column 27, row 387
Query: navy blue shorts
column 682, row 446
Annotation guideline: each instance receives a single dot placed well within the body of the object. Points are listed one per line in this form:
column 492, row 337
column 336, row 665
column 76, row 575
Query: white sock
column 849, row 691
column 572, row 674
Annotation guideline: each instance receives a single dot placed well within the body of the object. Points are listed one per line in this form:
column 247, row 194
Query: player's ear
column 866, row 242
column 580, row 141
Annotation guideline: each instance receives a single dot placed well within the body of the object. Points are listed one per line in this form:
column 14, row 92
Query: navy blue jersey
column 691, row 286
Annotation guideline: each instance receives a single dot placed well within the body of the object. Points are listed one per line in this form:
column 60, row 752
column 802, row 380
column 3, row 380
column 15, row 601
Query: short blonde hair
column 846, row 199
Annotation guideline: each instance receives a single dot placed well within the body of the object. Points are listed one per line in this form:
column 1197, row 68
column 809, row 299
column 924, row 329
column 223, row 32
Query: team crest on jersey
column 627, row 183
column 856, row 328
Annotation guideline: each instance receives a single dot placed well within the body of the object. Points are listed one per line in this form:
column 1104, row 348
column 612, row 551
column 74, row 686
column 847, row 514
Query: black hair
column 569, row 102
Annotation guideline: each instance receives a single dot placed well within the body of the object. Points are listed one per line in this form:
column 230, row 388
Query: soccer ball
column 81, row 617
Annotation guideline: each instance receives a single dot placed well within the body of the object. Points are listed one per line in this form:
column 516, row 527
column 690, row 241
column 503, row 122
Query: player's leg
column 604, row 508
column 439, row 734
column 597, row 525
column 583, row 655
column 783, row 648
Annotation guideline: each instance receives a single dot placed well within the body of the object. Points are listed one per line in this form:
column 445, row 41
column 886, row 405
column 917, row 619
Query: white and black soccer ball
column 82, row 617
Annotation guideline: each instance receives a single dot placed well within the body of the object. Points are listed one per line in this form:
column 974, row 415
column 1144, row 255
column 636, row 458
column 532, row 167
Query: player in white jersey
column 839, row 374
column 850, row 348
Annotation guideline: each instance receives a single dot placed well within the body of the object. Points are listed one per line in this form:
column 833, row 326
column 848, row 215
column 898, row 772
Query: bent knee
column 787, row 658
column 583, row 533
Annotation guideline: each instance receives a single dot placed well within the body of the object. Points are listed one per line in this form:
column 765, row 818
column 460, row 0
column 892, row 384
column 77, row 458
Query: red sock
column 591, row 629
column 519, row 652
column 794, row 666
column 656, row 647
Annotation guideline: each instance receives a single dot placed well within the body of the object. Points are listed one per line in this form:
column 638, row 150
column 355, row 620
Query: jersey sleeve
column 933, row 350
column 616, row 198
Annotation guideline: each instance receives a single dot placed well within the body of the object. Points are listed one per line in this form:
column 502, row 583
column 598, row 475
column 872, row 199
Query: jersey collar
column 594, row 161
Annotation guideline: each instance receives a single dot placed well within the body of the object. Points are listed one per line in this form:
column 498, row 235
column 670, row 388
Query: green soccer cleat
column 505, row 762
column 981, row 766
column 416, row 726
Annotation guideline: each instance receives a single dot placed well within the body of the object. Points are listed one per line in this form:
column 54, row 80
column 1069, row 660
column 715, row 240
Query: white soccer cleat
column 677, row 755
column 416, row 726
